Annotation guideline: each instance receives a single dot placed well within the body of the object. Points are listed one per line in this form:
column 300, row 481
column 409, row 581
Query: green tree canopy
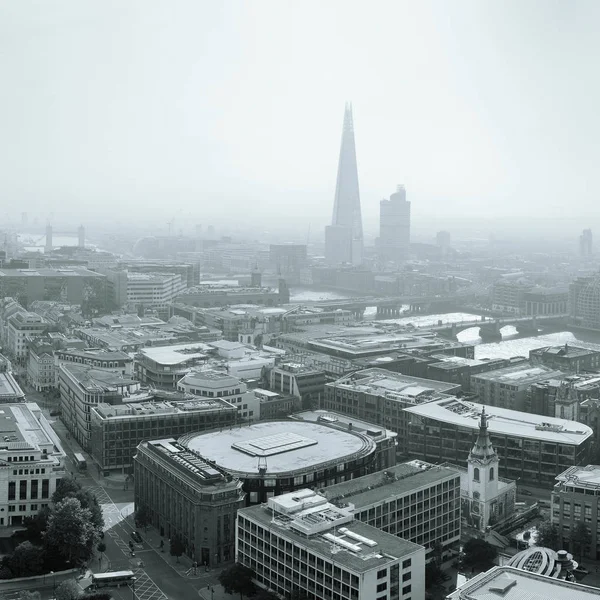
column 547, row 536
column 70, row 531
column 143, row 516
column 237, row 579
column 479, row 553
column 37, row 524
column 580, row 538
column 26, row 560
column 176, row 547
column 69, row 488
column 68, row 590
column 28, row 595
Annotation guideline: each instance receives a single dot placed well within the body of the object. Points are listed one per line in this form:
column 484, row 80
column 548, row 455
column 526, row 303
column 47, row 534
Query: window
column 34, row 507
column 407, row 576
column 381, row 574
column 406, row 590
column 12, row 508
column 492, row 474
column 382, row 586
column 406, row 563
column 475, row 474
column 12, row 490
column 34, row 489
column 45, row 488
column 23, row 489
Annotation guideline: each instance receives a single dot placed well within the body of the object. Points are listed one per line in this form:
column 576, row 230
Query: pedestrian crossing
column 145, row 588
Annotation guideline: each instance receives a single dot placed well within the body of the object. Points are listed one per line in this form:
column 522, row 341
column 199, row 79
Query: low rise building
column 575, row 499
column 569, row 359
column 82, row 388
column 544, row 301
column 273, row 405
column 100, row 358
column 299, row 542
column 116, row 430
column 416, row 501
column 510, row 583
column 508, row 387
column 33, row 461
column 531, row 448
column 41, row 371
column 217, row 384
column 296, row 379
column 188, row 498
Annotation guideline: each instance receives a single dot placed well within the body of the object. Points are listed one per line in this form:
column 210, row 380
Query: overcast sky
column 213, row 110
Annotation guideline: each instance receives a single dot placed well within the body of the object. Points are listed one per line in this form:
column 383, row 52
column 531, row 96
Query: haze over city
column 230, row 112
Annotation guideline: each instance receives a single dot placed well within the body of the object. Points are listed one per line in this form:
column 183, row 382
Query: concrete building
column 546, row 301
column 509, row 583
column 273, row 405
column 10, row 391
column 486, row 498
column 385, row 439
column 415, row 501
column 394, row 227
column 379, row 396
column 575, row 500
column 568, row 359
column 207, row 295
column 41, row 371
column 295, row 379
column 188, row 498
column 153, row 289
column 82, row 388
column 508, row 387
column 164, row 366
column 530, row 447
column 508, row 295
column 217, row 384
column 345, row 235
column 301, row 542
column 584, row 302
column 20, row 326
column 116, row 430
column 33, row 461
column 545, row 561
column 96, row 357
column 276, row 457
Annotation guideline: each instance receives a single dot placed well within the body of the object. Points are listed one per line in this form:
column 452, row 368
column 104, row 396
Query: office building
column 10, row 390
column 510, row 583
column 276, row 457
column 508, row 387
column 153, row 289
column 386, row 440
column 272, row 405
column 568, row 359
column 584, row 302
column 394, row 227
column 344, row 238
column 116, row 430
column 96, row 357
column 41, row 371
column 83, row 387
column 541, row 301
column 508, row 295
column 586, row 243
column 33, row 461
column 215, row 294
column 379, row 396
column 306, row 383
column 219, row 384
column 415, row 500
column 531, row 448
column 188, row 498
column 575, row 500
column 21, row 326
column 301, row 542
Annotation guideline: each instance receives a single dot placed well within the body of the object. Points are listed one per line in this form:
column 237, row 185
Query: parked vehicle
column 137, row 538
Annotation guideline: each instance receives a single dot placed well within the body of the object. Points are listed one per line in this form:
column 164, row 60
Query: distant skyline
column 230, row 111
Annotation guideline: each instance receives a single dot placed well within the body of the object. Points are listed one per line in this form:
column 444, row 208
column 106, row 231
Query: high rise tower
column 344, row 238
column 394, row 227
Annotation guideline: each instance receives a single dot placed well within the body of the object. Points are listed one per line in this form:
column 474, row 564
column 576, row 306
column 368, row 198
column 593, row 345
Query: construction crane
column 170, row 224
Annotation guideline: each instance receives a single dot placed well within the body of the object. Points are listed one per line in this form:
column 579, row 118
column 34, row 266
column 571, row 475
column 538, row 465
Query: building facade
column 41, row 371
column 569, row 359
column 306, row 383
column 416, row 501
column 301, row 543
column 188, row 498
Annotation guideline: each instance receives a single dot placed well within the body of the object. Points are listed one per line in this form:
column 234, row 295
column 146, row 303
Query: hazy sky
column 213, row 110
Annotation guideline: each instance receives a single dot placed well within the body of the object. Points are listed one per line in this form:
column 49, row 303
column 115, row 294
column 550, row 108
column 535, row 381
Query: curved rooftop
column 542, row 561
column 286, row 446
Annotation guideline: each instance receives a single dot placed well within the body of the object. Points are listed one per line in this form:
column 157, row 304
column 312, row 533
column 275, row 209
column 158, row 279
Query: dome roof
column 543, row 561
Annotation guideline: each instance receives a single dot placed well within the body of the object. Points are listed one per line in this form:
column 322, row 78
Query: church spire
column 482, row 450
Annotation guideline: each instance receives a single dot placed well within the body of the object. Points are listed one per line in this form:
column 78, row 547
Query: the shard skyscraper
column 344, row 237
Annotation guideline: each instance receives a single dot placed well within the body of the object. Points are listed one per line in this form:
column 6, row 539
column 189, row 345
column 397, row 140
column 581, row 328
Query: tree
column 238, row 580
column 26, row 560
column 176, row 547
column 479, row 553
column 143, row 517
column 547, row 536
column 580, row 538
column 68, row 590
column 28, row 595
column 437, row 552
column 70, row 531
column 69, row 488
column 433, row 574
column 37, row 524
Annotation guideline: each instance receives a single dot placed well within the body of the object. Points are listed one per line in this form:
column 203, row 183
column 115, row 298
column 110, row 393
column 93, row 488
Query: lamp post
column 133, row 588
column 53, row 584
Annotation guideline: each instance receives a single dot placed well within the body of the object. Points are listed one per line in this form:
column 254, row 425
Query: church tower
column 482, row 466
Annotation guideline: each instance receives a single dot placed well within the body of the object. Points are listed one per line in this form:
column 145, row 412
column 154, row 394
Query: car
column 525, row 493
column 136, row 537
column 580, row 570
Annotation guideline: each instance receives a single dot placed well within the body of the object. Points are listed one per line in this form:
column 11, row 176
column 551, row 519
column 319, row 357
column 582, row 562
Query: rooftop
column 177, row 353
column 46, row 272
column 308, row 520
column 566, row 350
column 9, row 388
column 287, row 446
column 388, row 384
column 147, row 408
column 502, row 421
column 581, row 477
column 393, row 482
column 509, row 583
column 97, row 354
column 521, row 375
column 95, row 380
column 134, row 277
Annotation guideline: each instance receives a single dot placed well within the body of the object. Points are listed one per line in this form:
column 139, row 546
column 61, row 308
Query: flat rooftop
column 354, row 545
column 161, row 408
column 46, row 272
column 21, row 430
column 566, row 350
column 287, row 446
column 98, row 380
column 502, row 421
column 388, row 384
column 509, row 583
column 519, row 375
column 9, row 388
column 581, row 477
column 345, row 422
column 393, row 482
column 176, row 353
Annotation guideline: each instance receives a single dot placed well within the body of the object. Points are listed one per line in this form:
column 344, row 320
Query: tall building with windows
column 586, row 243
column 394, row 227
column 344, row 238
column 300, row 542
